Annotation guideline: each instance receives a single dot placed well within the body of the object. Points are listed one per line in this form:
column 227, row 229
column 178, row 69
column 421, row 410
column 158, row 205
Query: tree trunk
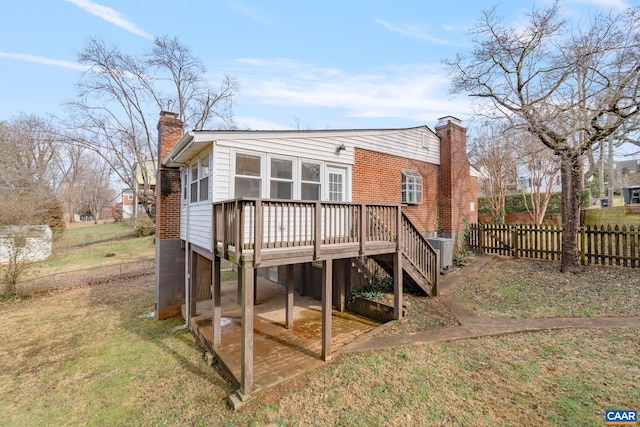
column 571, row 172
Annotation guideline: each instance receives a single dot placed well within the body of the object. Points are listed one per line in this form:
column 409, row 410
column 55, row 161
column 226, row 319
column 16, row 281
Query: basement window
column 411, row 188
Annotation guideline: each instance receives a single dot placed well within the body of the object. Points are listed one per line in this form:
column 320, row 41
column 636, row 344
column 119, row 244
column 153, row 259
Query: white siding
column 320, row 146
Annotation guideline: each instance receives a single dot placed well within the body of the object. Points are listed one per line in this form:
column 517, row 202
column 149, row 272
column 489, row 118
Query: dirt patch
column 423, row 314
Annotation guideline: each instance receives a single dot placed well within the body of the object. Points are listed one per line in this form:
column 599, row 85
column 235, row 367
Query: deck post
column 246, row 363
column 289, row 314
column 215, row 297
column 397, row 268
column 327, row 275
column 341, row 277
column 317, row 240
column 193, row 280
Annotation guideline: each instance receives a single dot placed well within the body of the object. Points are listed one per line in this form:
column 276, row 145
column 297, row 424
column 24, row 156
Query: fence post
column 583, row 251
column 481, row 238
column 514, row 241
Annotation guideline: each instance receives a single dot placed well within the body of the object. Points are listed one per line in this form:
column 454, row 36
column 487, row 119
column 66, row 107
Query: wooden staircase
column 420, row 261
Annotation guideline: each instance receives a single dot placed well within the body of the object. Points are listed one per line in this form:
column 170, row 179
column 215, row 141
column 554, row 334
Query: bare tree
column 569, row 85
column 96, row 188
column 538, row 169
column 492, row 152
column 120, row 96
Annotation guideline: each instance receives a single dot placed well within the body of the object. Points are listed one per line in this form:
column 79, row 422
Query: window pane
column 204, row 166
column 194, row 192
column 247, row 187
column 281, row 169
column 247, row 165
column 204, row 189
column 335, row 187
column 281, row 190
column 310, row 172
column 310, row 191
column 194, row 172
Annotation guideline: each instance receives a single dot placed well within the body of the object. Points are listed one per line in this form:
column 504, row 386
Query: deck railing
column 419, row 252
column 257, row 224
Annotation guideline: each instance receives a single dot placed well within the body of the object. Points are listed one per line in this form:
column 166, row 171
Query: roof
column 196, row 140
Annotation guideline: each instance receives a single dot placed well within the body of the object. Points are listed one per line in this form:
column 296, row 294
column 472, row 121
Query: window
column 281, row 186
column 411, row 187
column 248, row 178
column 200, row 172
column 310, row 181
column 194, row 183
column 185, row 178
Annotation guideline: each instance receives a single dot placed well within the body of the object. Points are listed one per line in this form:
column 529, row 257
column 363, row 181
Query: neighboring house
column 127, row 203
column 145, row 173
column 27, row 243
column 538, row 178
column 303, row 206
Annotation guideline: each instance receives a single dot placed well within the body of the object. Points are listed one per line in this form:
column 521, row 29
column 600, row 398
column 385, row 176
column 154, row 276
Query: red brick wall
column 458, row 189
column 168, row 190
column 377, row 179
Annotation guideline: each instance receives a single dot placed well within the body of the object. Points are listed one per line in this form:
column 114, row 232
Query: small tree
column 492, row 152
column 20, row 246
column 539, row 169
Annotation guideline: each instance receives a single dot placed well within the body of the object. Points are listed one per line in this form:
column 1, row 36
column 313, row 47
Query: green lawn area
column 100, row 360
column 85, row 234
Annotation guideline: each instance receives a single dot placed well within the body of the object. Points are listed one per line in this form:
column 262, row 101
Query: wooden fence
column 604, row 245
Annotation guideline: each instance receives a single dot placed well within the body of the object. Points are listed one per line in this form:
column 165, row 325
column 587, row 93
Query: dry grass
column 91, row 356
column 531, row 288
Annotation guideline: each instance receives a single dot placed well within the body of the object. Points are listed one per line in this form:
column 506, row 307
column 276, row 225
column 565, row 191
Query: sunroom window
column 310, row 181
column 411, row 187
column 248, row 176
column 199, row 180
column 281, row 185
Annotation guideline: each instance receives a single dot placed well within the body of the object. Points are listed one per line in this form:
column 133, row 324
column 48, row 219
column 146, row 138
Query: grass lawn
column 82, row 234
column 533, row 288
column 92, row 356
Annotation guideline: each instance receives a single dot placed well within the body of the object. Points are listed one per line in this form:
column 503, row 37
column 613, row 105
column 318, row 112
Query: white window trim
column 263, row 169
column 199, row 180
column 347, row 182
column 299, row 181
column 295, row 177
column 404, row 191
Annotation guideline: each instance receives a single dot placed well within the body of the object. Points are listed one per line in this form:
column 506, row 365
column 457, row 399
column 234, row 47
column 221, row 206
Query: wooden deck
column 254, row 233
column 279, row 353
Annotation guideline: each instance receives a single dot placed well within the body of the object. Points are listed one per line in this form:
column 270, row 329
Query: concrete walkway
column 473, row 326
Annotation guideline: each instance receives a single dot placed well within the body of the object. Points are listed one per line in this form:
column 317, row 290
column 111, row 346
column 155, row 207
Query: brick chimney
column 458, row 189
column 169, row 281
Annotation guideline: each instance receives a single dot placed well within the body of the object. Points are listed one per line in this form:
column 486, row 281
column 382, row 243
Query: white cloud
column 413, row 32
column 42, row 60
column 247, row 10
column 607, row 4
column 418, row 92
column 110, row 15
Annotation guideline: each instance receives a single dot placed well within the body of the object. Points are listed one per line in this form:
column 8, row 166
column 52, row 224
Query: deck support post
column 215, row 302
column 246, row 363
column 397, row 285
column 289, row 315
column 327, row 278
column 397, row 267
column 341, row 278
column 193, row 277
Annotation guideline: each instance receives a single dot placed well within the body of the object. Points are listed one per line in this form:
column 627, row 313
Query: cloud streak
column 247, row 11
column 417, row 92
column 110, row 15
column 412, row 31
column 42, row 60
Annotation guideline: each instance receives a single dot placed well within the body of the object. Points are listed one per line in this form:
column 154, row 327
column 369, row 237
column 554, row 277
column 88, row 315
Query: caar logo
column 620, row 417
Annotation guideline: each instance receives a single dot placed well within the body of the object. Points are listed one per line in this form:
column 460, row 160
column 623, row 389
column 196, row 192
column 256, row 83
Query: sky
column 324, row 64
